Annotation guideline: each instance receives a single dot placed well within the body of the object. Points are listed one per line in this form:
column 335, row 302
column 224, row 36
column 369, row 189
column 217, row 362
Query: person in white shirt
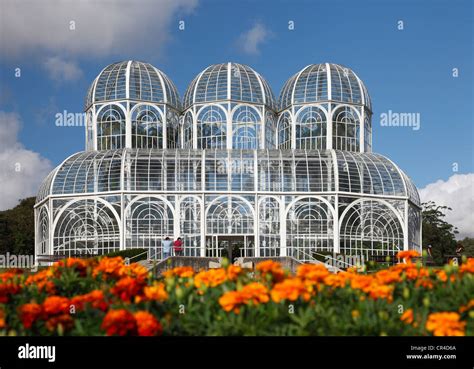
column 166, row 244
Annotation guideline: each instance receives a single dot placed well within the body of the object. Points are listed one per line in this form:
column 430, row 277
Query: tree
column 17, row 228
column 437, row 232
column 468, row 244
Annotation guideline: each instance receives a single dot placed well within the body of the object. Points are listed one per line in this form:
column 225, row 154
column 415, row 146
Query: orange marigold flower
column 312, row 272
column 233, row 272
column 110, row 267
column 388, row 276
column 254, row 292
column 42, row 281
column 231, row 301
column 468, row 306
column 7, row 289
column 29, row 313
column 467, row 267
column 95, row 298
column 183, row 272
column 80, row 265
column 127, row 287
column 156, row 292
column 361, row 282
column 210, row 278
column 407, row 317
column 336, row 280
column 425, row 283
column 10, row 274
column 54, row 305
column 63, row 320
column 289, row 289
column 407, row 255
column 377, row 291
column 2, row 319
column 147, row 324
column 271, row 267
column 445, row 324
column 119, row 322
column 137, row 271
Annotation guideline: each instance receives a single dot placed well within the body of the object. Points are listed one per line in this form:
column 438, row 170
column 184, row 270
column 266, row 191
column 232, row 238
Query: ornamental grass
column 83, row 297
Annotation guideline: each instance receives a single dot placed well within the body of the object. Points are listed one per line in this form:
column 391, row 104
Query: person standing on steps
column 178, row 247
column 166, row 245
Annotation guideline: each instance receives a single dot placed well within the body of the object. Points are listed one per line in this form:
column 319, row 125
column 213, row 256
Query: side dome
column 132, row 80
column 324, row 82
column 229, row 81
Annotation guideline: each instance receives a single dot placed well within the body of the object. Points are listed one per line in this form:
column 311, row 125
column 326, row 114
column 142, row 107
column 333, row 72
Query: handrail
column 133, row 257
column 328, row 256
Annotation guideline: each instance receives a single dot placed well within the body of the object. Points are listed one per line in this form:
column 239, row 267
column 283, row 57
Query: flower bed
column 107, row 297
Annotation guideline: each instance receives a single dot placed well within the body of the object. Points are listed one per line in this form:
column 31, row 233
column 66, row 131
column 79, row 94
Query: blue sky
column 407, row 71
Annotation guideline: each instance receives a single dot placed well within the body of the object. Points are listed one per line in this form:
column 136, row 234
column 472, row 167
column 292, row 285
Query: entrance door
column 231, row 247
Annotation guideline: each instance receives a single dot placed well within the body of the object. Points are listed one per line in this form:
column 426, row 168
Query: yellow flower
column 355, row 314
column 445, row 324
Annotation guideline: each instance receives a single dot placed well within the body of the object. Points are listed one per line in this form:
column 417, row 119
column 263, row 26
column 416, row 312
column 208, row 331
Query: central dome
column 229, row 81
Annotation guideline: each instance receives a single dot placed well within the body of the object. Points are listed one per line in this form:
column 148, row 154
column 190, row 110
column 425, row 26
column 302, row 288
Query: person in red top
column 178, row 247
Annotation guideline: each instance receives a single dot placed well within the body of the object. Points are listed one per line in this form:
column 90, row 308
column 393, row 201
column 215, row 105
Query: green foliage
column 17, row 230
column 468, row 244
column 437, row 232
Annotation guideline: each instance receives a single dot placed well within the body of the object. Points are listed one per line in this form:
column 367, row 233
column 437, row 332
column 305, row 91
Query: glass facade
column 230, row 165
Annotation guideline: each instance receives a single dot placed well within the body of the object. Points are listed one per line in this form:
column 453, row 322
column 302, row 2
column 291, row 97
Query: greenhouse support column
column 203, row 209
column 283, row 241
column 256, row 238
column 128, row 127
column 336, row 246
column 362, row 131
column 177, row 217
column 405, row 228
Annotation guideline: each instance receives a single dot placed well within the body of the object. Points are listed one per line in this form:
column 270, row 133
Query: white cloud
column 61, row 70
column 457, row 193
column 101, row 27
column 21, row 170
column 251, row 40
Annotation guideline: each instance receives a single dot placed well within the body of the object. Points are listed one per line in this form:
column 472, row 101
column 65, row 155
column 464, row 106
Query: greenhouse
column 229, row 165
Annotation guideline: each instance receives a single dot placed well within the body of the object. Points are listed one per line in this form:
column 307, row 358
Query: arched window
column 246, row 128
column 346, row 126
column 86, row 227
column 311, row 129
column 309, row 228
column 111, row 128
column 370, row 227
column 147, row 128
column 230, row 215
column 211, row 124
column 188, row 131
column 43, row 232
column 190, row 225
column 284, row 131
column 149, row 221
column 269, row 227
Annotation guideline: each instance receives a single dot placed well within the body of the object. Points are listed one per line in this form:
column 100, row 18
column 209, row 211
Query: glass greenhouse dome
column 227, row 174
